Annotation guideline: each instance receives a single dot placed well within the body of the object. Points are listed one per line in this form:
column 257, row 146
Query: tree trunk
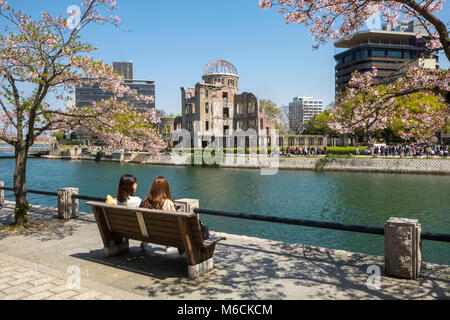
column 21, row 216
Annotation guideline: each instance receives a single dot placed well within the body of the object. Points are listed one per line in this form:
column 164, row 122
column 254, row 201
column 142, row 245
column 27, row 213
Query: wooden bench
column 118, row 224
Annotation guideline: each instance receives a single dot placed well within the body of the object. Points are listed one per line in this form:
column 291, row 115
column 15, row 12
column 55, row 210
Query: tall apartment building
column 387, row 50
column 301, row 110
column 219, row 109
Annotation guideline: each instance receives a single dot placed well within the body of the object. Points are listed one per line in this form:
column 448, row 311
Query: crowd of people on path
column 411, row 150
column 159, row 198
column 303, row 151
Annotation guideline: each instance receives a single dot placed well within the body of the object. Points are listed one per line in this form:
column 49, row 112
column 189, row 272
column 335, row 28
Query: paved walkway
column 40, row 264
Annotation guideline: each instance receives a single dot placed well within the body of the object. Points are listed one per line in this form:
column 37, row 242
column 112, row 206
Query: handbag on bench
column 205, row 231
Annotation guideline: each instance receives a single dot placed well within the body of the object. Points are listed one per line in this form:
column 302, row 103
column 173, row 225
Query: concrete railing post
column 191, row 204
column 67, row 207
column 403, row 248
column 2, row 194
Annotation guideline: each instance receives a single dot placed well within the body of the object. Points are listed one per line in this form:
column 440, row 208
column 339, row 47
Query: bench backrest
column 153, row 226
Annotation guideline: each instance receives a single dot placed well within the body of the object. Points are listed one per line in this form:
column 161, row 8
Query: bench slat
column 152, row 233
column 115, row 216
column 158, row 226
column 153, row 218
column 115, row 227
column 165, row 227
column 124, row 222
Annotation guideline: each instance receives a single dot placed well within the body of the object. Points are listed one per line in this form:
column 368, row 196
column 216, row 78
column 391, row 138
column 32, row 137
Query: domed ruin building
column 218, row 109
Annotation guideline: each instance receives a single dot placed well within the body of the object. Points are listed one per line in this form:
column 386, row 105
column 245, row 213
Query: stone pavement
column 22, row 280
column 39, row 264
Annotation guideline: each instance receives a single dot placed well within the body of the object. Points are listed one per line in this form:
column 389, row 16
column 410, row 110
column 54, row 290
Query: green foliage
column 322, row 162
column 344, row 150
column 73, row 143
column 22, row 210
column 319, row 125
column 59, row 136
column 270, row 108
column 100, row 154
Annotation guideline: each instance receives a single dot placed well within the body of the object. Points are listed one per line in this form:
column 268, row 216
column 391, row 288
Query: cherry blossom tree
column 46, row 57
column 339, row 19
column 413, row 117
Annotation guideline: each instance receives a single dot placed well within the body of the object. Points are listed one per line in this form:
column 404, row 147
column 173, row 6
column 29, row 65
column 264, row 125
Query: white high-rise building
column 301, row 110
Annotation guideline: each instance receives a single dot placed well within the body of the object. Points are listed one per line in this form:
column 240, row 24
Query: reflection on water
column 353, row 198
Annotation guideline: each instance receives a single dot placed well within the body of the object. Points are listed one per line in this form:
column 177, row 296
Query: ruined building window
column 262, row 124
column 251, row 107
column 207, row 107
column 207, row 126
column 225, row 95
column 239, row 109
column 206, row 93
column 291, row 142
column 226, row 112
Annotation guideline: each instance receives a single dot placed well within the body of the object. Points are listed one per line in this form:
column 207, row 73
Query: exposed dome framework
column 220, row 67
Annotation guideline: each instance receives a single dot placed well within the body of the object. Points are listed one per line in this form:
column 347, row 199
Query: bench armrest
column 208, row 243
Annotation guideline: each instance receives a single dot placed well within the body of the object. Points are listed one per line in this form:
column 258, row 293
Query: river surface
column 367, row 199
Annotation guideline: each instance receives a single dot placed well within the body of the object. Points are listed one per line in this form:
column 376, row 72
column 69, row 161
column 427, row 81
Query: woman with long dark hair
column 125, row 194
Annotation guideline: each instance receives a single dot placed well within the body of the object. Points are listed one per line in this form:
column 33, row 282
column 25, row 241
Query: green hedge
column 345, row 150
column 72, row 143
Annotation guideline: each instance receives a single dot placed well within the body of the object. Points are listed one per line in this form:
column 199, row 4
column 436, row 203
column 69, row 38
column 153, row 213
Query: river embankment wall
column 353, row 164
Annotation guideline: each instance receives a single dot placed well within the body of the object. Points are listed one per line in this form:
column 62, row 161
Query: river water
column 367, row 199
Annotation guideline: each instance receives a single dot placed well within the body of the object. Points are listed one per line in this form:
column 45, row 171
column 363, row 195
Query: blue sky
column 172, row 41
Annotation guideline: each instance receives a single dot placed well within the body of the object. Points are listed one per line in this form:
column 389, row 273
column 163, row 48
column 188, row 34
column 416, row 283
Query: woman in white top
column 127, row 188
column 160, row 198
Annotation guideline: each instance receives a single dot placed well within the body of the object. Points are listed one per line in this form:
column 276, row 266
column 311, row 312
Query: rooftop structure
column 220, row 67
column 386, row 50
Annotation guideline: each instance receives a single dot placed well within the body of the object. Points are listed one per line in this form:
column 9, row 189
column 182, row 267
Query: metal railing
column 263, row 218
column 317, row 224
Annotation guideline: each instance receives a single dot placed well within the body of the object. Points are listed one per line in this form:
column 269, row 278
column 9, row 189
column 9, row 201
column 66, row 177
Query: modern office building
column 386, row 50
column 218, row 107
column 301, row 110
column 86, row 94
column 125, row 69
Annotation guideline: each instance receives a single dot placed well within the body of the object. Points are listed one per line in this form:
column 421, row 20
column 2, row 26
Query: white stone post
column 191, row 204
column 67, row 208
column 403, row 248
column 2, row 194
